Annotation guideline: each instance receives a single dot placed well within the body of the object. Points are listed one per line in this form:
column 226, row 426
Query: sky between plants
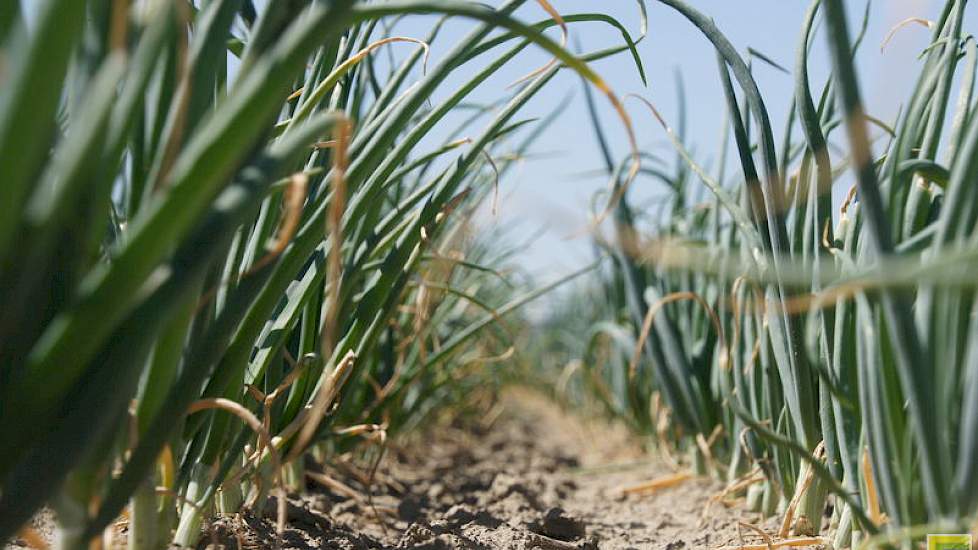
column 556, row 184
column 550, row 193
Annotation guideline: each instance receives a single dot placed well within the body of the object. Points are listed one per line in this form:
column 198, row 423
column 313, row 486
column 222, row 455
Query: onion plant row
column 228, row 236
column 797, row 351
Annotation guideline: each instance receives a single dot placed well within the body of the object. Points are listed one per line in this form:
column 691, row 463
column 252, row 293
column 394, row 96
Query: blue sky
column 553, row 188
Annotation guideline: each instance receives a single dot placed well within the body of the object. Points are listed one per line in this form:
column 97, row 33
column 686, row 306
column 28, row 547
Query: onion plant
column 229, row 235
column 797, row 351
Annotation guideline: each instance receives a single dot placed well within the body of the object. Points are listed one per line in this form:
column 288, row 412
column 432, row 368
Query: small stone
column 436, row 490
column 459, row 515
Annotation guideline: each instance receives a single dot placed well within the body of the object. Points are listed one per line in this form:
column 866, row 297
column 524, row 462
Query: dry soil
column 527, row 475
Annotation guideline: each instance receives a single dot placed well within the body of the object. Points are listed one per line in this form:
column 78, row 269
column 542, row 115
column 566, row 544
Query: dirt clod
column 558, row 525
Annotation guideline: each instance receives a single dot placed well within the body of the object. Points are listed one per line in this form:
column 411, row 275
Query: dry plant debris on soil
column 530, row 475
